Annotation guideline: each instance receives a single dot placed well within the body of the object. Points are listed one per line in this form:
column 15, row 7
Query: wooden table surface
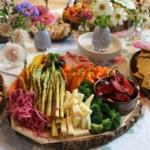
column 53, row 4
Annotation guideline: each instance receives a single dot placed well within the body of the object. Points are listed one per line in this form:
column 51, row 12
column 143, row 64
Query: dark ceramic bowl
column 123, row 108
column 133, row 70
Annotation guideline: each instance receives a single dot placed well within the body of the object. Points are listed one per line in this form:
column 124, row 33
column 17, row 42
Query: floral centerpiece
column 15, row 17
column 14, row 24
column 106, row 16
column 45, row 18
column 76, row 15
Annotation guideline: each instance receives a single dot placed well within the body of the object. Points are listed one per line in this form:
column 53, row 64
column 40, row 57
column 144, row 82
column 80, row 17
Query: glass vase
column 101, row 38
column 42, row 40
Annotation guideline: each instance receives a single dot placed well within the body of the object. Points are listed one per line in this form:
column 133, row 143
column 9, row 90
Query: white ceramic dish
column 86, row 48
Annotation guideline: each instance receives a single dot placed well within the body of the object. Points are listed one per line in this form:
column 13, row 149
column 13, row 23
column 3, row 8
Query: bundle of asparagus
column 43, row 77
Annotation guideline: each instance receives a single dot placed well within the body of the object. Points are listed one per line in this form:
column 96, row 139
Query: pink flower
column 87, row 14
column 5, row 29
column 45, row 17
column 19, row 36
column 14, row 53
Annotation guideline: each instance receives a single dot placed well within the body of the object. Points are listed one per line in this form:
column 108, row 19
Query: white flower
column 20, row 36
column 127, row 3
column 5, row 29
column 103, row 7
column 14, row 53
column 119, row 16
column 3, row 3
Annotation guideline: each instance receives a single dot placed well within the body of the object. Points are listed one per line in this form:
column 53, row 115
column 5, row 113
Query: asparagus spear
column 44, row 91
column 49, row 104
column 62, row 95
column 38, row 85
column 34, row 83
column 57, row 96
column 41, row 80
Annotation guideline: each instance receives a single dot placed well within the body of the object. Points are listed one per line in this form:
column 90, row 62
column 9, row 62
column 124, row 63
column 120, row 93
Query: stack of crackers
column 143, row 65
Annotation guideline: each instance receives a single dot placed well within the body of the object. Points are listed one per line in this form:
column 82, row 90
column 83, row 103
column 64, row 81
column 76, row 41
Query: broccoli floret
column 112, row 113
column 97, row 101
column 96, row 128
column 107, row 124
column 86, row 88
column 116, row 119
column 96, row 118
column 105, row 108
column 95, row 108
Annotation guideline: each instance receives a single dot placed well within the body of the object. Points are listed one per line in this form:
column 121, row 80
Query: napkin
column 121, row 34
column 142, row 45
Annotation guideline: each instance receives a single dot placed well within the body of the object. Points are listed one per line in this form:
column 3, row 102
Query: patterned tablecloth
column 138, row 137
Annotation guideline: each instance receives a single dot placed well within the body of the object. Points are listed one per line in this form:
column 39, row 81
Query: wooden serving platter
column 133, row 69
column 83, row 142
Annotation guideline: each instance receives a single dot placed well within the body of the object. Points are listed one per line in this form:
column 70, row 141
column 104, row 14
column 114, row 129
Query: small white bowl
column 86, row 48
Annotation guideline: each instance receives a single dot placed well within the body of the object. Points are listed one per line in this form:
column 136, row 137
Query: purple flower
column 36, row 11
column 26, row 5
column 26, row 9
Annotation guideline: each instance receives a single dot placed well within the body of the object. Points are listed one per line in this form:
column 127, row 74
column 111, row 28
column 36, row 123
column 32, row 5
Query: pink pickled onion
column 23, row 111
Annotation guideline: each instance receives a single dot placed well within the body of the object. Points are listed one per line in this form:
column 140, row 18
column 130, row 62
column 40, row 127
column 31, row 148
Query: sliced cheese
column 83, row 123
column 76, row 121
column 70, row 126
column 76, row 110
column 88, row 122
column 64, row 126
column 80, row 132
column 54, row 129
column 80, row 97
column 89, row 100
column 72, row 102
column 75, row 93
column 85, row 110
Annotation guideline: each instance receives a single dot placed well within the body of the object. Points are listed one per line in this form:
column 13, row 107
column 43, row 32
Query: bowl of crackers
column 140, row 70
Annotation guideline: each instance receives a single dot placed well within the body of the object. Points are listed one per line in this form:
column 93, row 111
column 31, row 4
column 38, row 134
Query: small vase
column 101, row 38
column 3, row 39
column 42, row 40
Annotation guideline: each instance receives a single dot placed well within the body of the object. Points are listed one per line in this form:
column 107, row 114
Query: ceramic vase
column 42, row 40
column 101, row 38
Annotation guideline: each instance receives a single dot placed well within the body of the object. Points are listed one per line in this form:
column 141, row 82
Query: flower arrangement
column 107, row 15
column 16, row 16
column 44, row 18
column 25, row 10
column 75, row 13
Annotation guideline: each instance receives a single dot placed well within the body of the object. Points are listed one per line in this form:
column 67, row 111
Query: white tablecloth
column 138, row 137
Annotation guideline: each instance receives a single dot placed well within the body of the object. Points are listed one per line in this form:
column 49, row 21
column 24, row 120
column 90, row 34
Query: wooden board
column 84, row 142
